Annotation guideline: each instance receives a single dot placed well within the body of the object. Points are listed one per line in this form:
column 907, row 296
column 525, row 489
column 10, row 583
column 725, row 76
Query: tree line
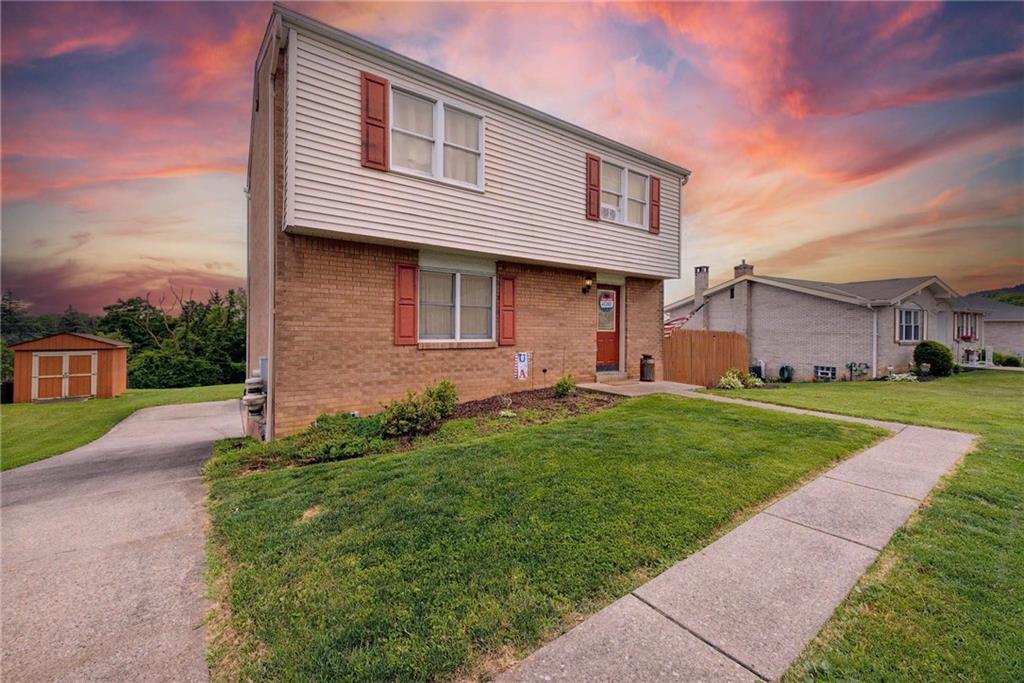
column 182, row 344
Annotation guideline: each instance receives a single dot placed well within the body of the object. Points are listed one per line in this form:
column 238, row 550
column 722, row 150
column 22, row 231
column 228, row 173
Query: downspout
column 874, row 341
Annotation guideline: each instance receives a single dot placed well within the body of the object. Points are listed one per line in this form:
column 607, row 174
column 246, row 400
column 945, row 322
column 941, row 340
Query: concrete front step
column 612, row 376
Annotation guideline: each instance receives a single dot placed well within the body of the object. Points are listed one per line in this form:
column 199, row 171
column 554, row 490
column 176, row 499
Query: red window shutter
column 654, row 204
column 375, row 121
column 593, row 188
column 506, row 311
column 405, row 304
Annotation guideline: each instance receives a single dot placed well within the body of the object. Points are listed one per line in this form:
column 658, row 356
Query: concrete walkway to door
column 746, row 606
column 102, row 558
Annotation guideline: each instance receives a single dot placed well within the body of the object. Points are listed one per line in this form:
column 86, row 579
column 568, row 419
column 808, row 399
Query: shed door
column 47, row 376
column 63, row 374
column 81, row 374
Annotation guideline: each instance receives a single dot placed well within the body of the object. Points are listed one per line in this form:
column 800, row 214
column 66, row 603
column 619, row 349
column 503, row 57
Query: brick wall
column 900, row 356
column 1005, row 336
column 800, row 330
column 334, row 344
column 644, row 325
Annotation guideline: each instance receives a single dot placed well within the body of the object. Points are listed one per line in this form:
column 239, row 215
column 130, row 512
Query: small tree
column 938, row 357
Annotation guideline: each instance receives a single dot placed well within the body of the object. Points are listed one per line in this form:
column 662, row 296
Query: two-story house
column 406, row 226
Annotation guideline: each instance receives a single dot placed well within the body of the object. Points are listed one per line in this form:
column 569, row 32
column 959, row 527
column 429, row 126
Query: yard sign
column 522, row 366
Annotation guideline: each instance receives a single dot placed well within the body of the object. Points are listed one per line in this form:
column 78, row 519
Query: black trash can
column 646, row 368
column 6, row 392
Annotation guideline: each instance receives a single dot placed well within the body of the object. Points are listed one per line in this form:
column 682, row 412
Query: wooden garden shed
column 69, row 365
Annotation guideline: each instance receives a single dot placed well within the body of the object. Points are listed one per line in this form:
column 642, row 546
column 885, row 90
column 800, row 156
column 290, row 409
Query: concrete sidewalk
column 746, row 606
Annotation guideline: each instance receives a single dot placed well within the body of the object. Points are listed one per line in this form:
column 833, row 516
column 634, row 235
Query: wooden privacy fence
column 703, row 356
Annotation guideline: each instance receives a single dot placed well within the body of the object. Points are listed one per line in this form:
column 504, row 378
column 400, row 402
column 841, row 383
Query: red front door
column 608, row 326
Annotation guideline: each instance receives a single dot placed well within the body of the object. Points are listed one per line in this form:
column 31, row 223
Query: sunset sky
column 827, row 141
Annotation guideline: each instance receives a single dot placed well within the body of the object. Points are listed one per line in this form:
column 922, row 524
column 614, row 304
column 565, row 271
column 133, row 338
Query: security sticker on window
column 522, row 366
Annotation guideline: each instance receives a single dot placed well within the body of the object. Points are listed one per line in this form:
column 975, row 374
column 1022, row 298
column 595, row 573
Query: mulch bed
column 576, row 403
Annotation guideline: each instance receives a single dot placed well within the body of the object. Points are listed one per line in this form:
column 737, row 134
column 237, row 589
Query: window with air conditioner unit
column 624, row 195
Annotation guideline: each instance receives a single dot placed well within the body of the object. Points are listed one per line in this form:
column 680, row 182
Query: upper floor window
column 436, row 139
column 910, row 324
column 623, row 194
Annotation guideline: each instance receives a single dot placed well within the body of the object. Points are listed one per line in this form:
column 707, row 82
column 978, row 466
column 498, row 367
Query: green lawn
column 33, row 431
column 449, row 560
column 945, row 600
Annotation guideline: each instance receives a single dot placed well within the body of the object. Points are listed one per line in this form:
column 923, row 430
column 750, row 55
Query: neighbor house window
column 824, row 373
column 437, row 139
column 910, row 322
column 966, row 325
column 624, row 194
column 456, row 306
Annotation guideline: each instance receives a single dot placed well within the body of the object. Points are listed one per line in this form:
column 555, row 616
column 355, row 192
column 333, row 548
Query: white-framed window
column 432, row 137
column 824, row 373
column 456, row 306
column 966, row 325
column 624, row 194
column 910, row 324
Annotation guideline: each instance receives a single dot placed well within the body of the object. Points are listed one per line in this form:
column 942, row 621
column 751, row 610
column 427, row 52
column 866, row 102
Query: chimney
column 743, row 269
column 700, row 283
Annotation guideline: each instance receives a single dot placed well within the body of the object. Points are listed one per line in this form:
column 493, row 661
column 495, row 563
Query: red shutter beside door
column 506, row 311
column 375, row 121
column 405, row 304
column 593, row 196
column 654, row 220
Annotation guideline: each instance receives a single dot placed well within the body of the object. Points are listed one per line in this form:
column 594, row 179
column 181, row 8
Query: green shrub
column 751, row 381
column 444, row 394
column 738, row 379
column 420, row 413
column 902, row 377
column 732, row 379
column 165, row 369
column 1011, row 362
column 339, row 437
column 938, row 357
column 330, row 438
column 564, row 386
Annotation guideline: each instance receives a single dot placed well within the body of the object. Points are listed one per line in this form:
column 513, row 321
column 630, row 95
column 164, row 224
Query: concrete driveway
column 102, row 552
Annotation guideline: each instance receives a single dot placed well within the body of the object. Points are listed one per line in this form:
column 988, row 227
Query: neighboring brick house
column 1002, row 324
column 826, row 330
column 406, row 226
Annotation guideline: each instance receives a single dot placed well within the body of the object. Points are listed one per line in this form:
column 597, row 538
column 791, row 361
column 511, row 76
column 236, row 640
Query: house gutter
column 874, row 341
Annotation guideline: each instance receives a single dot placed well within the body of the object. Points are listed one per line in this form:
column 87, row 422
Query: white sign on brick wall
column 522, row 366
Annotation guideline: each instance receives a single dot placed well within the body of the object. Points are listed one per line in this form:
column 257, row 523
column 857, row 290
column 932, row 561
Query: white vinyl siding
column 531, row 206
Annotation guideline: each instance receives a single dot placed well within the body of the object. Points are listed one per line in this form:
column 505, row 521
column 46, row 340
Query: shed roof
column 47, row 342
